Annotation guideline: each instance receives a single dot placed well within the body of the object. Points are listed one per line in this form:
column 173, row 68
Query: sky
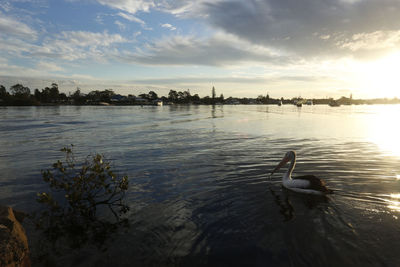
column 245, row 48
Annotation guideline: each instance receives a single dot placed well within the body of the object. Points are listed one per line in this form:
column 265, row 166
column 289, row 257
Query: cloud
column 184, row 8
column 11, row 27
column 219, row 50
column 226, row 79
column 6, row 6
column 131, row 18
column 120, row 25
column 74, row 45
column 168, row 26
column 372, row 41
column 89, row 39
column 130, row 6
column 48, row 66
column 298, row 27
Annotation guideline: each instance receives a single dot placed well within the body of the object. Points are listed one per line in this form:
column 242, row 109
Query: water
column 199, row 188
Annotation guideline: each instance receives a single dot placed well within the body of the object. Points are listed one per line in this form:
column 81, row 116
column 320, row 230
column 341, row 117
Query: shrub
column 86, row 203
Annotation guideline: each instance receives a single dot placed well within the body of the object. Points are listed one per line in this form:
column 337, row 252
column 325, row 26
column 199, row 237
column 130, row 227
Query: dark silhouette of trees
column 4, row 95
column 213, row 95
column 207, row 100
column 3, row 92
column 21, row 95
column 54, row 93
column 19, row 90
column 50, row 95
column 173, row 96
column 221, row 98
column 196, row 99
column 100, row 96
column 152, row 95
column 77, row 97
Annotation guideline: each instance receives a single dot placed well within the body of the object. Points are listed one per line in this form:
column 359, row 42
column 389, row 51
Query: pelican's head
column 290, row 155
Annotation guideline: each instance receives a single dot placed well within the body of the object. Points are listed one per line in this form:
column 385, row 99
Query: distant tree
column 144, row 96
column 101, row 96
column 187, row 96
column 3, row 92
column 77, row 97
column 207, row 100
column 244, row 100
column 19, row 90
column 53, row 93
column 106, row 95
column 152, row 95
column 62, row 97
column 37, row 94
column 173, row 96
column 213, row 93
column 195, row 98
column 221, row 98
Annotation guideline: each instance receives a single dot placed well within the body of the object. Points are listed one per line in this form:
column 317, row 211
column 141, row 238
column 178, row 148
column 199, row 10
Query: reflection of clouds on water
column 202, row 174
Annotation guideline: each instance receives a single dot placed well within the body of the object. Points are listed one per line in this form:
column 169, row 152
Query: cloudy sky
column 308, row 48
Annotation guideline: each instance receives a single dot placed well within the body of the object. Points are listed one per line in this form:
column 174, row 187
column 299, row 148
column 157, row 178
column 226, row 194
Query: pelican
column 307, row 184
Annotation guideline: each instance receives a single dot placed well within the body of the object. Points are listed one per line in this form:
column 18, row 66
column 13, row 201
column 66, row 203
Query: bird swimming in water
column 307, row 184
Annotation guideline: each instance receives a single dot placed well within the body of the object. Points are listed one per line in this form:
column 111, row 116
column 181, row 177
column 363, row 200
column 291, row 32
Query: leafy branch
column 81, row 194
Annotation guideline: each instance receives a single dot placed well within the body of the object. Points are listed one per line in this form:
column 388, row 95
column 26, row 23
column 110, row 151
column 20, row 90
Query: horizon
column 244, row 49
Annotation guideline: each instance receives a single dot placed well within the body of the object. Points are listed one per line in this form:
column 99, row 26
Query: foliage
column 79, row 194
column 3, row 91
column 20, row 91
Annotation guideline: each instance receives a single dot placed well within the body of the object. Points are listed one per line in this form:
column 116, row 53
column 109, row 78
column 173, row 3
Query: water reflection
column 202, row 171
column 286, row 208
column 394, row 203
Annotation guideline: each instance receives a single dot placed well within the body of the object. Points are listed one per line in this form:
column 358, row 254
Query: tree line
column 19, row 94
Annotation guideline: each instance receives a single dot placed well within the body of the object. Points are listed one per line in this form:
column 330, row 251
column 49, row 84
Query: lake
column 199, row 188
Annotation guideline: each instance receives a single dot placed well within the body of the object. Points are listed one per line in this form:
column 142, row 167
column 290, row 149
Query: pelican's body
column 308, row 184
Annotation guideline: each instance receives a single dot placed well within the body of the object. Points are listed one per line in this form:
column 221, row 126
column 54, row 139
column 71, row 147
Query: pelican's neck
column 288, row 174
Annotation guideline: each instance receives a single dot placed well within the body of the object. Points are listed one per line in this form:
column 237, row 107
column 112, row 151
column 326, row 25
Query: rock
column 14, row 251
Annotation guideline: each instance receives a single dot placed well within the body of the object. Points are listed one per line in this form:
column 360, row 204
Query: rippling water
column 200, row 193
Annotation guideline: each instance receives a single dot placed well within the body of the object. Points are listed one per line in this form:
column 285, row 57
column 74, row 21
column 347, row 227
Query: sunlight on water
column 383, row 129
column 199, row 190
column 394, row 203
column 395, row 206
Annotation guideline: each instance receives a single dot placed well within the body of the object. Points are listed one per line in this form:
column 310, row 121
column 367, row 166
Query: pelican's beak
column 282, row 163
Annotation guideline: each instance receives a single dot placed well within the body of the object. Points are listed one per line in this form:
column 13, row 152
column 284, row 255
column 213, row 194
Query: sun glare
column 383, row 129
column 380, row 78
